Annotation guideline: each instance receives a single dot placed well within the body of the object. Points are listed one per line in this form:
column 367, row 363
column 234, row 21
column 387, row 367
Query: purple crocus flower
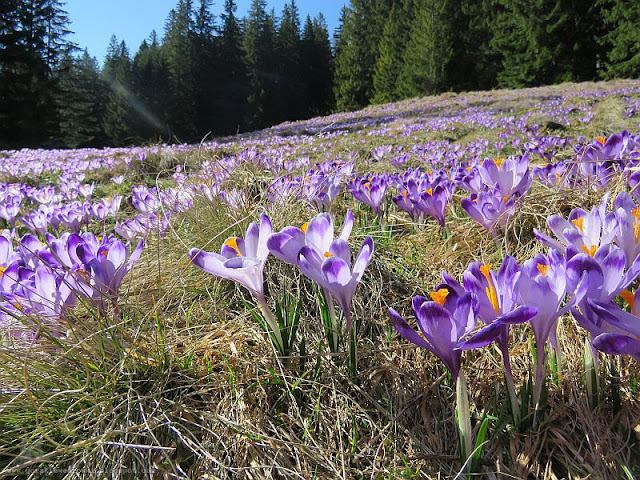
column 510, row 177
column 335, row 272
column 369, row 190
column 619, row 330
column 240, row 260
column 542, row 284
column 582, row 232
column 497, row 297
column 107, row 267
column 444, row 322
column 490, row 209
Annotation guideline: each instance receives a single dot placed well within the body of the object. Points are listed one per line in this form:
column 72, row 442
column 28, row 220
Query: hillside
column 119, row 355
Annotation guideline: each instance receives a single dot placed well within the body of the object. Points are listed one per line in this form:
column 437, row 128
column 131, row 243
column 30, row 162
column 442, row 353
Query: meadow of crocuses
column 435, row 288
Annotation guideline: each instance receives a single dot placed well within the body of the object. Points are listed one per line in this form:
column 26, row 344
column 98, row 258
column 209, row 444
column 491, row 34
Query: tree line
column 388, row 50
column 224, row 74
column 204, row 74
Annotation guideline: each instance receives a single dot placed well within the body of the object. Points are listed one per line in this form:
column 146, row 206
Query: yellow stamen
column 578, row 222
column 430, row 172
column 492, row 295
column 368, row 185
column 486, row 271
column 2, row 270
column 439, row 296
column 636, row 231
column 405, row 193
column 429, row 191
column 468, row 169
column 602, row 140
column 327, row 255
column 591, row 251
column 543, row 269
column 233, row 243
column 498, row 161
column 636, row 213
column 304, row 227
column 630, row 298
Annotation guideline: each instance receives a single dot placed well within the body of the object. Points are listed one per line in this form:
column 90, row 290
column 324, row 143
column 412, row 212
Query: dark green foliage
column 232, row 87
column 79, row 101
column 316, row 67
column 357, row 52
column 622, row 40
column 117, row 73
column 392, row 46
column 429, row 49
column 151, row 86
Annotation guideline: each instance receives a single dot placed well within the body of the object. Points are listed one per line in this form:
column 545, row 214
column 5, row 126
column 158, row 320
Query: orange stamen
column 492, row 295
column 439, row 296
column 304, row 227
column 602, row 140
column 636, row 213
column 591, row 251
column 2, row 270
column 405, row 193
column 233, row 243
column 498, row 162
column 543, row 269
column 578, row 222
column 327, row 255
column 630, row 298
column 429, row 191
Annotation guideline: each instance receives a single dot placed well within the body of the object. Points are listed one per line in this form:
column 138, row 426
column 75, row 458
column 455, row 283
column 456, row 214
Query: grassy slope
column 185, row 385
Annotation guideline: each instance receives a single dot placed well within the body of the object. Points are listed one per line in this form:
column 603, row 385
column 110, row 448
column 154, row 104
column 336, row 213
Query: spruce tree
column 357, row 52
column 231, row 94
column 429, row 49
column 117, row 120
column 288, row 52
column 622, row 40
column 152, row 88
column 79, row 101
column 391, row 52
column 317, row 68
column 178, row 47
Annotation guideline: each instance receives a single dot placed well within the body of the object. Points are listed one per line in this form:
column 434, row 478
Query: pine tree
column 316, row 68
column 357, row 52
column 429, row 49
column 178, row 46
column 622, row 40
column 288, row 51
column 32, row 37
column 117, row 120
column 152, row 89
column 205, row 75
column 79, row 101
column 392, row 46
column 231, row 94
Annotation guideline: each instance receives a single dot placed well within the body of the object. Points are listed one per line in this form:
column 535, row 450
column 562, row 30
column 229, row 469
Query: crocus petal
column 484, row 337
column 616, row 344
column 406, row 331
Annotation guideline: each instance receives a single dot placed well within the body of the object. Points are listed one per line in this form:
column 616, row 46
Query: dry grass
column 185, row 385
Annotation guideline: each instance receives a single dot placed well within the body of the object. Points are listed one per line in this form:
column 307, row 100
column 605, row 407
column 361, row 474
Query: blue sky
column 94, row 21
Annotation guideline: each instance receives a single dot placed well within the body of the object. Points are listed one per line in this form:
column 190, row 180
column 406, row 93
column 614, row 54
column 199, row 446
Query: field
column 120, row 358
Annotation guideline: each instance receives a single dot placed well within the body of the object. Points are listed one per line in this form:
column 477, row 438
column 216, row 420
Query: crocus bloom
column 509, row 177
column 335, row 271
column 240, row 260
column 444, row 322
column 490, row 209
column 620, row 330
column 582, row 232
column 108, row 267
